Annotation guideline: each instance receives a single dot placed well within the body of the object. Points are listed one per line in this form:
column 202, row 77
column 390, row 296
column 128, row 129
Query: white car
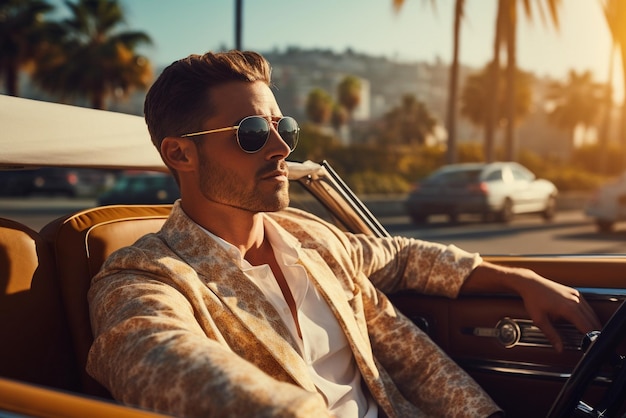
column 607, row 206
column 503, row 189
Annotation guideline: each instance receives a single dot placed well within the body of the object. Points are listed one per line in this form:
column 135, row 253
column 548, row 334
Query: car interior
column 44, row 277
column 45, row 313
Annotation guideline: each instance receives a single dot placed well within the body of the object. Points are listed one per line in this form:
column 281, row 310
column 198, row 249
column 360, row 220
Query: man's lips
column 274, row 174
column 274, row 171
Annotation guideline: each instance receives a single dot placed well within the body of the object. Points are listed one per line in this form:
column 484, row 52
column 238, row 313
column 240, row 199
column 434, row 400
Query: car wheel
column 550, row 211
column 506, row 213
column 605, row 226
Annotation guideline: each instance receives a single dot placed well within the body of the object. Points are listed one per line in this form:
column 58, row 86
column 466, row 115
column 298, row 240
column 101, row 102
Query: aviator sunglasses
column 254, row 131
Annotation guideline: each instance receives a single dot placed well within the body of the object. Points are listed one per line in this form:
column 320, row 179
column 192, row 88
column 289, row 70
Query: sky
column 417, row 33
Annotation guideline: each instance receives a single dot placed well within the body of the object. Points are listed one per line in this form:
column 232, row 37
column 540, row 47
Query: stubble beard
column 220, row 184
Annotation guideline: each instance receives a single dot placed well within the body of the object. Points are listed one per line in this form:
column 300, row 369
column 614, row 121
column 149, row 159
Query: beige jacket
column 179, row 329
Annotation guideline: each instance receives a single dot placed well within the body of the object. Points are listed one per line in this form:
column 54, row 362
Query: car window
column 457, row 177
column 494, row 175
column 520, row 174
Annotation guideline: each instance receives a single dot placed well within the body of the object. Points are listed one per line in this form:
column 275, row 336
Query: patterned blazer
column 179, row 328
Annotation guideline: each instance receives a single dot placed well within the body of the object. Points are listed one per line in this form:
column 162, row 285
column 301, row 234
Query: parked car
column 148, row 188
column 40, row 181
column 501, row 190
column 44, row 320
column 607, row 205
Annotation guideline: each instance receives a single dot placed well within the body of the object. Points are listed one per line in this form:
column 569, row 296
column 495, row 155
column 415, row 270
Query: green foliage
column 23, row 35
column 91, row 57
column 319, row 106
column 370, row 182
column 349, row 92
column 383, row 169
column 576, row 102
column 592, row 157
column 568, row 179
column 409, row 123
column 314, row 144
column 474, row 98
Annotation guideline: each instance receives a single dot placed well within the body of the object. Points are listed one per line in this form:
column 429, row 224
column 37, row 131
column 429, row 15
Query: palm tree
column 453, row 82
column 605, row 128
column 492, row 89
column 319, row 106
column 349, row 92
column 93, row 59
column 476, row 92
column 575, row 103
column 22, row 34
column 339, row 117
column 615, row 13
column 506, row 30
column 239, row 24
column 410, row 123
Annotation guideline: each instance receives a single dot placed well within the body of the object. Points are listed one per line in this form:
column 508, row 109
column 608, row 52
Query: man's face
column 229, row 176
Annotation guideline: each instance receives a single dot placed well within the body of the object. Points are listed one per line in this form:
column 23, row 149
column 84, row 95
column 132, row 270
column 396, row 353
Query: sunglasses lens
column 253, row 133
column 289, row 131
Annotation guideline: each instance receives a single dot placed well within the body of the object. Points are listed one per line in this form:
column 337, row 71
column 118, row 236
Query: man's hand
column 545, row 300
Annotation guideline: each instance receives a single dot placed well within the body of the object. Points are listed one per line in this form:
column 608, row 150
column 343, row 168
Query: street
column 570, row 233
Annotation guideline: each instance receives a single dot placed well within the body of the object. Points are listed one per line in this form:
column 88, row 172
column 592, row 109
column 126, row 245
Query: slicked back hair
column 179, row 101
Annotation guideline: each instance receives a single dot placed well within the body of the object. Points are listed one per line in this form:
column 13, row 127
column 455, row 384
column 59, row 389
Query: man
column 240, row 306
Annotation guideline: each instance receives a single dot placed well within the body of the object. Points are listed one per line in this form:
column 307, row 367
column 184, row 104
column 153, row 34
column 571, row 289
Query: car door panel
column 466, row 328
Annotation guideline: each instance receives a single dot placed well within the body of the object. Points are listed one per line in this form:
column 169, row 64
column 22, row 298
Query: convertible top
column 36, row 133
column 42, row 134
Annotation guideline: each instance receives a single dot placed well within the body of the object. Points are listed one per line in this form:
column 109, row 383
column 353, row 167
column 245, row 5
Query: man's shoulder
column 307, row 227
column 293, row 218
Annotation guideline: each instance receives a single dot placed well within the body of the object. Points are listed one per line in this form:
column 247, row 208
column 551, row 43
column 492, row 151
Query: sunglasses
column 254, row 131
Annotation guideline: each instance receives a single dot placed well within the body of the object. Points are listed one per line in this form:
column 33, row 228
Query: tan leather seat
column 35, row 345
column 81, row 242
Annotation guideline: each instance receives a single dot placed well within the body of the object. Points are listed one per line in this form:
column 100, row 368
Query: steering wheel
column 602, row 349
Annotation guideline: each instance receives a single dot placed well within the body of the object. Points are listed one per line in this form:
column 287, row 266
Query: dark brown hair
column 179, row 102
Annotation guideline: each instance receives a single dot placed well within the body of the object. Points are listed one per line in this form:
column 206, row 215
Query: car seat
column 80, row 243
column 35, row 343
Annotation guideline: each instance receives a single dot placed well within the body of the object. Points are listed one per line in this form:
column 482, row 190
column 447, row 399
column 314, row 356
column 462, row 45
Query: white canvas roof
column 42, row 134
column 36, row 133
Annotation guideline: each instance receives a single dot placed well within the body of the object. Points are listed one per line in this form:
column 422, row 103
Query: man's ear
column 179, row 153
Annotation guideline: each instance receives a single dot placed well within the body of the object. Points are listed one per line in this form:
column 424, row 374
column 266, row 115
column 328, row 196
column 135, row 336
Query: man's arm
column 545, row 300
column 157, row 348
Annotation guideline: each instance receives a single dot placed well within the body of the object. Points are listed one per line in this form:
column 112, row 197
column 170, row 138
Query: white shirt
column 323, row 347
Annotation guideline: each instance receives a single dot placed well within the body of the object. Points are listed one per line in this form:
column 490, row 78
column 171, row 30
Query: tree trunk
column 605, row 129
column 622, row 133
column 238, row 24
column 493, row 88
column 510, row 79
column 453, row 84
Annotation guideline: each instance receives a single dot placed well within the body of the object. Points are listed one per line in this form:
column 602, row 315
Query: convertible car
column 45, row 273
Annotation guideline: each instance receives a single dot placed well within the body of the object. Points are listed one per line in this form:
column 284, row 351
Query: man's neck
column 240, row 228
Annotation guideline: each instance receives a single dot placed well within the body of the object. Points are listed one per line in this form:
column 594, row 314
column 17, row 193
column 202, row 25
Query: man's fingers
column 551, row 334
column 583, row 316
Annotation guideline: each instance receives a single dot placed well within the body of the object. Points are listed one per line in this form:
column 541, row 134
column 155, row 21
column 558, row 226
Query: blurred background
column 387, row 91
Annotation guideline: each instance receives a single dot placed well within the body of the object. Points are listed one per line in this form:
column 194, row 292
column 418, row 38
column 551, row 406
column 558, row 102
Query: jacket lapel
column 223, row 277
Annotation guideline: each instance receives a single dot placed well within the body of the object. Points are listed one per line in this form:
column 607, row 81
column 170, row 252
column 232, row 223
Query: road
column 570, row 233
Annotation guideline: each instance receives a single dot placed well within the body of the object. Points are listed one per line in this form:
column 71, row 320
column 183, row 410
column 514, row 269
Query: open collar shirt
column 323, row 346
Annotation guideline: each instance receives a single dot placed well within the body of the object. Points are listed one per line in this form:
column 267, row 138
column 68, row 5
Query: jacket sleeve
column 392, row 264
column 399, row 263
column 421, row 371
column 150, row 352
